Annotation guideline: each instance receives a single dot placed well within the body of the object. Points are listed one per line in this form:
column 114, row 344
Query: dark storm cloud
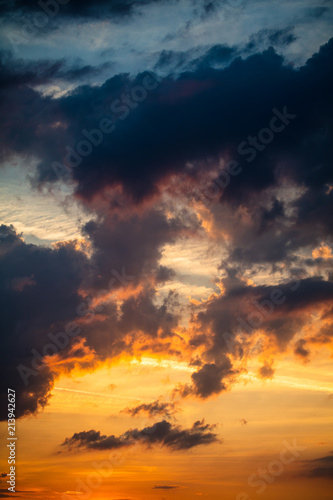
column 274, row 236
column 134, row 242
column 192, row 117
column 40, row 295
column 155, row 408
column 162, row 433
column 125, row 252
column 46, row 298
column 141, row 314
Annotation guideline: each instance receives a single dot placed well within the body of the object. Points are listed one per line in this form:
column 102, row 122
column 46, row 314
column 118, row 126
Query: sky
column 166, row 280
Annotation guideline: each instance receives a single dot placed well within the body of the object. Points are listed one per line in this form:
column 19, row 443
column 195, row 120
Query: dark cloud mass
column 144, row 183
column 29, row 312
column 243, row 310
column 40, row 290
column 189, row 118
column 162, row 433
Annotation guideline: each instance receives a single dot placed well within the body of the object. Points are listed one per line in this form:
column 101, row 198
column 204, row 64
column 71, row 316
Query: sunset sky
column 166, row 248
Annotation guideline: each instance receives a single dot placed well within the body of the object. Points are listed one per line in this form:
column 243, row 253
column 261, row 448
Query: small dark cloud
column 152, row 409
column 164, row 487
column 164, row 274
column 300, row 349
column 210, row 379
column 266, row 371
column 162, row 433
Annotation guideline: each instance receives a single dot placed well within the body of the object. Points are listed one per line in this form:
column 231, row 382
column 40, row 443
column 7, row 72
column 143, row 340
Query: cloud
column 165, row 487
column 18, row 73
column 233, row 318
column 164, row 137
column 322, row 472
column 280, row 37
column 152, row 409
column 324, row 469
column 266, row 371
column 46, row 285
column 87, row 8
column 300, row 349
column 161, row 433
column 172, row 144
column 133, row 242
column 31, row 307
column 210, row 379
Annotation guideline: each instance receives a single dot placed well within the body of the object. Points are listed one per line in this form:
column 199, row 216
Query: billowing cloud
column 235, row 316
column 164, row 137
column 50, row 323
column 31, row 307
